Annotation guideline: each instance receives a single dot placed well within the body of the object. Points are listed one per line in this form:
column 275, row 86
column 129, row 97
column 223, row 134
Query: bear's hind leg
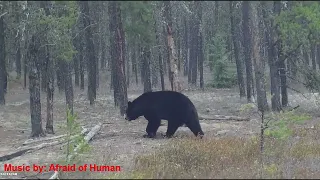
column 152, row 127
column 195, row 128
column 172, row 128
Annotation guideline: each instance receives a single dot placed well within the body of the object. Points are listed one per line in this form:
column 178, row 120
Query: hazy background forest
column 251, row 69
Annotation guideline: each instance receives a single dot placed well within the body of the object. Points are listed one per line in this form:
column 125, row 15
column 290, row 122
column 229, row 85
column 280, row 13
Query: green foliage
column 138, row 20
column 57, row 27
column 73, row 138
column 224, row 76
column 279, row 125
column 312, row 80
column 296, row 24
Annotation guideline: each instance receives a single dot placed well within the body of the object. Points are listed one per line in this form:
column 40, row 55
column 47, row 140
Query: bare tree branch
column 3, row 14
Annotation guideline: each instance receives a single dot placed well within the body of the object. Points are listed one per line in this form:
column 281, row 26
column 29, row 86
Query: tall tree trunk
column 25, row 61
column 161, row 72
column 200, row 44
column 186, row 47
column 81, row 62
column 76, row 43
column 34, row 88
column 121, row 76
column 179, row 51
column 247, row 48
column 306, row 56
column 128, row 57
column 50, row 93
column 18, row 61
column 272, row 60
column 146, row 69
column 92, row 58
column 282, row 61
column 165, row 52
column 236, row 48
column 49, row 72
column 119, row 79
column 192, row 77
column 18, row 54
column 3, row 72
column 318, row 55
column 259, row 64
column 134, row 63
column 160, row 63
column 313, row 57
column 173, row 68
column 60, row 72
column 43, row 72
column 103, row 54
column 68, row 87
column 104, row 29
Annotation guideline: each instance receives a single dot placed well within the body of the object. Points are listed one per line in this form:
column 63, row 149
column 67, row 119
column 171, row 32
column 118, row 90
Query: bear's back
column 165, row 99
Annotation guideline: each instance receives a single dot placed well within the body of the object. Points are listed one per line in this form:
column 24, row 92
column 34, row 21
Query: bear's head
column 132, row 111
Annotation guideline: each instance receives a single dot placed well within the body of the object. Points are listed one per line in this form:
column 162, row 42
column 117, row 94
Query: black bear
column 172, row 106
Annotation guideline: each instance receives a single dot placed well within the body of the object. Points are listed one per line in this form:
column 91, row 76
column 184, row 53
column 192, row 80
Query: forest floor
column 120, row 143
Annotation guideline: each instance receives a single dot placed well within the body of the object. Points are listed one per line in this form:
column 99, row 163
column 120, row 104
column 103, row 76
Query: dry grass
column 229, row 157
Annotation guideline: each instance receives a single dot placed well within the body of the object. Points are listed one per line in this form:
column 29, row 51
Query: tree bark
column 25, row 61
column 92, row 58
column 272, row 60
column 81, row 62
column 3, row 72
column 247, row 48
column 236, row 47
column 200, row 44
column 118, row 63
column 173, row 68
column 69, row 87
column 135, row 63
column 282, row 61
column 192, row 77
column 160, row 63
column 259, row 64
column 50, row 93
column 313, row 57
column 146, row 70
column 34, row 88
column 318, row 55
column 49, row 75
column 60, row 72
column 186, row 47
column 76, row 56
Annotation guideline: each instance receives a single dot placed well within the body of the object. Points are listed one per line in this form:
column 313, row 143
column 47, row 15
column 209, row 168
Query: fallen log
column 27, row 149
column 222, row 117
column 87, row 138
column 30, row 141
column 13, row 155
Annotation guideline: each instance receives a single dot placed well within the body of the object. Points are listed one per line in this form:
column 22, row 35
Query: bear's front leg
column 152, row 128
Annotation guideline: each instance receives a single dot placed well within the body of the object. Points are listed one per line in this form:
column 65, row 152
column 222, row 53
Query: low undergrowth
column 233, row 157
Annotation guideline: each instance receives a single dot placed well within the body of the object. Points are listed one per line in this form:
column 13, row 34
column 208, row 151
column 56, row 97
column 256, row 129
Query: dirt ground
column 118, row 141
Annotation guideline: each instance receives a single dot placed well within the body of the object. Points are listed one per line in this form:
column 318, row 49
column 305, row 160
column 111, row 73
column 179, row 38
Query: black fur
column 172, row 106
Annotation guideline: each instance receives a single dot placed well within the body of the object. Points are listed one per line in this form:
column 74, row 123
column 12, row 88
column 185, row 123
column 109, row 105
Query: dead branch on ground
column 30, row 141
column 222, row 117
column 27, row 149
